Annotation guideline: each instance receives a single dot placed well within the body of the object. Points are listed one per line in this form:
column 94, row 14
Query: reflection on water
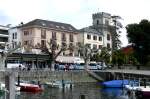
column 79, row 91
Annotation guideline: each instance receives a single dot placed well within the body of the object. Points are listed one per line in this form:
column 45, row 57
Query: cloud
column 75, row 12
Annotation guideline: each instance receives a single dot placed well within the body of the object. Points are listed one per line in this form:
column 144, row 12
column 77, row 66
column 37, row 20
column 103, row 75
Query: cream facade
column 35, row 36
column 98, row 35
column 92, row 40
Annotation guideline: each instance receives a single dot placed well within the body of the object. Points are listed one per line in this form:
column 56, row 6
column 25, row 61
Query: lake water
column 79, row 91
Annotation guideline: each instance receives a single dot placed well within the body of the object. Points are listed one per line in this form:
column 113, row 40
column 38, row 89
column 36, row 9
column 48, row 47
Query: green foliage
column 103, row 55
column 116, row 43
column 139, row 36
column 118, row 58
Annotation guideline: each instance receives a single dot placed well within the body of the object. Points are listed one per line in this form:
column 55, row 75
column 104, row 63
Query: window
column 108, row 37
column 63, row 37
column 14, row 44
column 64, row 45
column 89, row 45
column 97, row 22
column 100, row 38
column 94, row 37
column 43, row 43
column 54, row 35
column 31, row 32
column 43, row 34
column 13, row 36
column 100, row 46
column 106, row 22
column 71, row 38
column 88, row 36
column 108, row 45
column 26, row 33
column 94, row 46
column 26, row 42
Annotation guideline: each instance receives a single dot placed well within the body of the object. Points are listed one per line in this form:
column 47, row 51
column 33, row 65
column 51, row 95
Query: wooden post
column 10, row 85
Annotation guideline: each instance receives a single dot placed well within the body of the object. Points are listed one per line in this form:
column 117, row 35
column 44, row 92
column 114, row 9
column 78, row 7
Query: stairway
column 94, row 75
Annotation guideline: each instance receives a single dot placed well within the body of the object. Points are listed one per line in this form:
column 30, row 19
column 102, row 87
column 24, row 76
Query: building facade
column 14, row 36
column 38, row 33
column 3, row 36
column 98, row 35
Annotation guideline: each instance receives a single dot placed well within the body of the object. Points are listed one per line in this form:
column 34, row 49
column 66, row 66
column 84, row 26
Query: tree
column 118, row 58
column 139, row 36
column 85, row 52
column 4, row 54
column 116, row 43
column 103, row 55
column 54, row 50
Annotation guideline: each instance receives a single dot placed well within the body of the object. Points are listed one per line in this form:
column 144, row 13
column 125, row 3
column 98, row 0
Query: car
column 93, row 66
column 15, row 66
column 61, row 66
column 71, row 66
column 101, row 65
column 79, row 66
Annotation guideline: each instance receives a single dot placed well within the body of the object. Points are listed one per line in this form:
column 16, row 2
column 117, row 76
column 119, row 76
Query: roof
column 52, row 25
column 90, row 29
column 3, row 27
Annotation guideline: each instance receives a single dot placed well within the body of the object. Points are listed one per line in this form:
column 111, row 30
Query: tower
column 101, row 21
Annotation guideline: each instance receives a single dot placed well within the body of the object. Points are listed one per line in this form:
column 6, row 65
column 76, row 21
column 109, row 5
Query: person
column 66, row 66
column 56, row 66
column 19, row 67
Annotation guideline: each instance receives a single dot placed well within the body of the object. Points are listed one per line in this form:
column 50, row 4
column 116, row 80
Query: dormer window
column 43, row 24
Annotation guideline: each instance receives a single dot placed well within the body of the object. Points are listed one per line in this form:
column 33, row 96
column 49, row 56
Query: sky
column 75, row 12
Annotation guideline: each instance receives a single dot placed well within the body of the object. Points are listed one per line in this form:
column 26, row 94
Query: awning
column 69, row 59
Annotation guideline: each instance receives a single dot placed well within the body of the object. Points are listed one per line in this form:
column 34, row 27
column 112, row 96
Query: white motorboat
column 59, row 84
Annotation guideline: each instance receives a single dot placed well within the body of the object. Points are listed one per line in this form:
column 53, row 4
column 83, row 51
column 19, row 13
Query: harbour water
column 78, row 91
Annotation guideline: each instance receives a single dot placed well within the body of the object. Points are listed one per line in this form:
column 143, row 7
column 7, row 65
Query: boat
column 59, row 84
column 2, row 89
column 26, row 87
column 132, row 86
column 116, row 83
column 143, row 91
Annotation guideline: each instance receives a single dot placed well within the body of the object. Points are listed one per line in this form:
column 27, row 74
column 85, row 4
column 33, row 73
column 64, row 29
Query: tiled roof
column 90, row 30
column 51, row 24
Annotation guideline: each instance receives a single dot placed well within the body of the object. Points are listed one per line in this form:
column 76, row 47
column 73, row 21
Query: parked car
column 101, row 65
column 62, row 66
column 71, row 66
column 15, row 66
column 79, row 66
column 93, row 66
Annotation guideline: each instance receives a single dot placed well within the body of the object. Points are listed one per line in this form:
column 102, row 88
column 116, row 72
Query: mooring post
column 10, row 85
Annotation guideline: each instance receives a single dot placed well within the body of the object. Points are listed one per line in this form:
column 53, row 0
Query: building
column 3, row 36
column 14, row 36
column 98, row 35
column 37, row 33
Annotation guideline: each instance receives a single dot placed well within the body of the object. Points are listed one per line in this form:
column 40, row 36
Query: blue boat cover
column 117, row 83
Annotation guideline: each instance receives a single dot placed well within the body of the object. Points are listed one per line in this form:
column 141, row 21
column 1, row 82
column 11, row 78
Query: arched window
column 97, row 22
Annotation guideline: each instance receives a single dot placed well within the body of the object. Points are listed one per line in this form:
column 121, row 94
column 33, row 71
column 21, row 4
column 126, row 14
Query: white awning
column 69, row 59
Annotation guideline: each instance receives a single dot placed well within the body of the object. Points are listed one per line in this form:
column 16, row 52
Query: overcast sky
column 75, row 12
